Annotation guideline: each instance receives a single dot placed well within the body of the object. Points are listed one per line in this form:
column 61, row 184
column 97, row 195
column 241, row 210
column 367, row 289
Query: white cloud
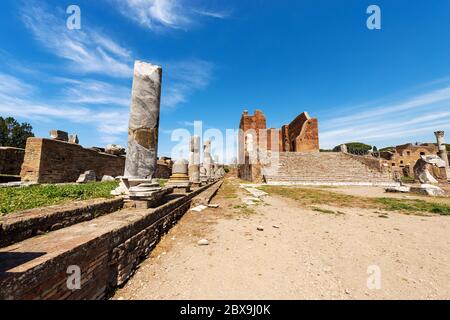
column 183, row 79
column 14, row 86
column 407, row 120
column 87, row 50
column 111, row 122
column 97, row 92
column 158, row 14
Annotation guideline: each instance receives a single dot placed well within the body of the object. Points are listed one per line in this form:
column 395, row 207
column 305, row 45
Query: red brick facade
column 53, row 161
column 301, row 135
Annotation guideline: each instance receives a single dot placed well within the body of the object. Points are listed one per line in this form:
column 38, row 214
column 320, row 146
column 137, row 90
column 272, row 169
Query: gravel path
column 300, row 254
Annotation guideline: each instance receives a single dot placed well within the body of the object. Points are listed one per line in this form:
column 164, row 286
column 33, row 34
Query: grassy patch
column 228, row 190
column 310, row 197
column 413, row 206
column 17, row 199
column 313, row 197
column 407, row 179
column 162, row 182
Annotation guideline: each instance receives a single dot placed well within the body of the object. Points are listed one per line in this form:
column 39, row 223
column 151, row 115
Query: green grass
column 408, row 179
column 228, row 190
column 312, row 197
column 162, row 182
column 413, row 206
column 309, row 196
column 17, row 199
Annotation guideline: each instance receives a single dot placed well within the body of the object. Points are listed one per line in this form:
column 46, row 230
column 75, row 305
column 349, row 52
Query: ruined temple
column 301, row 135
column 291, row 155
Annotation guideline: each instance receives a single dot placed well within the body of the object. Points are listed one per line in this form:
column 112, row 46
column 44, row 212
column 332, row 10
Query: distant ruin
column 402, row 159
column 301, row 135
column 55, row 161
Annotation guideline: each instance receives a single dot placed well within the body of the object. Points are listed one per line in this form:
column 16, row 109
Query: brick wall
column 11, row 160
column 301, row 135
column 29, row 223
column 52, row 161
column 163, row 171
column 107, row 250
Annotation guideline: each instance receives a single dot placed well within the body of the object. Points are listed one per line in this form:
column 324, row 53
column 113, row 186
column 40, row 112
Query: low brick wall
column 19, row 226
column 163, row 171
column 107, row 250
column 52, row 161
column 11, row 160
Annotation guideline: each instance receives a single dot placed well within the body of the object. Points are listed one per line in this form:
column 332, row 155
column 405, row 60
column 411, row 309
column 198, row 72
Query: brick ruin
column 294, row 156
column 402, row 159
column 301, row 135
column 10, row 161
column 55, row 161
column 106, row 241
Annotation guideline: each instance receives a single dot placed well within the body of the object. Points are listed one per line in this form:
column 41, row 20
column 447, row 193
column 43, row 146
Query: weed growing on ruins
column 311, row 197
column 16, row 199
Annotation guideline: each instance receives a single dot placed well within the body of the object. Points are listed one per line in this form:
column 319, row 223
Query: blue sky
column 382, row 87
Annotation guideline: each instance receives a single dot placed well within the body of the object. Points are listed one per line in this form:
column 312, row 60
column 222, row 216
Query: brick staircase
column 324, row 168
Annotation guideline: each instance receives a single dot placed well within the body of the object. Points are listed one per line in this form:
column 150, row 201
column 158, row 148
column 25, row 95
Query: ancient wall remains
column 29, row 223
column 301, row 135
column 11, row 160
column 53, row 161
column 403, row 158
column 107, row 250
column 164, row 168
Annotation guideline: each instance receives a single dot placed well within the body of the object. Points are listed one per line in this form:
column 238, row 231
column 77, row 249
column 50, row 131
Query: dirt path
column 307, row 255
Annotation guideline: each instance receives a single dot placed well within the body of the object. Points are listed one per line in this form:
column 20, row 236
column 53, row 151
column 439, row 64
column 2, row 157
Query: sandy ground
column 307, row 255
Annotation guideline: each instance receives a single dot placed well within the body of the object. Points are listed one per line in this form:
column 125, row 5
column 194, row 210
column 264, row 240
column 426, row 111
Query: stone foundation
column 19, row 226
column 53, row 161
column 107, row 250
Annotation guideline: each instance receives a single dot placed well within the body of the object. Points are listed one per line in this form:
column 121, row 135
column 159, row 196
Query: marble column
column 207, row 159
column 443, row 150
column 194, row 161
column 144, row 122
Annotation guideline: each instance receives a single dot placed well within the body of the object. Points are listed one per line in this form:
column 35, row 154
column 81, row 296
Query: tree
column 13, row 133
column 355, row 147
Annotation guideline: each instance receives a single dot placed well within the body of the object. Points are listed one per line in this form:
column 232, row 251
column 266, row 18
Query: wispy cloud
column 97, row 92
column 391, row 122
column 160, row 14
column 88, row 54
column 110, row 121
column 12, row 86
column 184, row 78
column 87, row 50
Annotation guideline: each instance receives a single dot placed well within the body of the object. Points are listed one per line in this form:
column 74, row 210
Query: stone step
column 324, row 167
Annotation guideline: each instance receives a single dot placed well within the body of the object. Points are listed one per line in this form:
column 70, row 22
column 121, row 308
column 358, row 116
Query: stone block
column 59, row 135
